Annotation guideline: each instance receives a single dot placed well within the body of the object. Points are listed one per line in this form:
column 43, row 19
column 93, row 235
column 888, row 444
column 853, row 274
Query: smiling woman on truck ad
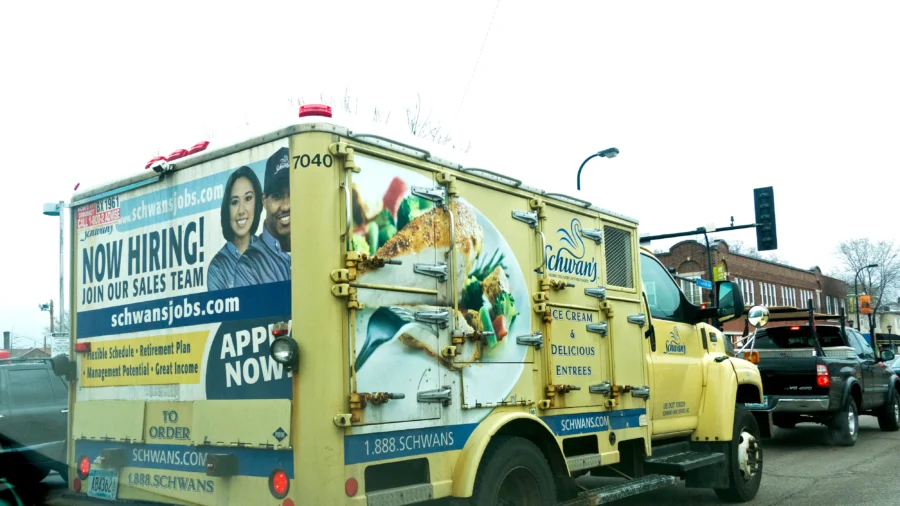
column 241, row 211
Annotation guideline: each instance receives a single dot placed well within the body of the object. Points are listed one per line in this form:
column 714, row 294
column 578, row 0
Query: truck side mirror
column 887, row 355
column 730, row 301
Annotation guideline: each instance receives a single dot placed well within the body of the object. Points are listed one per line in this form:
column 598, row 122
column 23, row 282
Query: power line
column 475, row 68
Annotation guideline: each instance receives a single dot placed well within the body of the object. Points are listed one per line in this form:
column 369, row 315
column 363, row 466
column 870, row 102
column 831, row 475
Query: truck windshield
column 798, row 337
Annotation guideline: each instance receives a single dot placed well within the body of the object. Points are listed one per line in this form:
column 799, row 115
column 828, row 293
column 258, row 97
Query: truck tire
column 845, row 425
column 513, row 471
column 889, row 417
column 744, row 459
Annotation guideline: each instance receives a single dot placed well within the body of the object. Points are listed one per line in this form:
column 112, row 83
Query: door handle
column 64, row 410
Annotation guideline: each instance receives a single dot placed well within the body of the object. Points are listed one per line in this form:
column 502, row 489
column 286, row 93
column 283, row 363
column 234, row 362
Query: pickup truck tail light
column 822, row 377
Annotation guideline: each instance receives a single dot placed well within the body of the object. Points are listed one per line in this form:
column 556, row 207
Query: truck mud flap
column 764, row 420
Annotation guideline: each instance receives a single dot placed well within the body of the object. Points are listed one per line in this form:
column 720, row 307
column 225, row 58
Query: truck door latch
column 529, row 217
column 438, row 271
column 638, row 319
column 595, row 235
column 603, row 388
column 598, row 292
column 536, row 340
column 440, row 395
column 439, row 318
column 641, row 392
column 436, row 195
column 598, row 328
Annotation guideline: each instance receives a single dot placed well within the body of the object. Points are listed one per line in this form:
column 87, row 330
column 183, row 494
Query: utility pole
column 51, row 324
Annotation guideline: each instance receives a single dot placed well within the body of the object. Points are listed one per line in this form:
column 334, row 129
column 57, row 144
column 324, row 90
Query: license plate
column 753, row 405
column 103, row 484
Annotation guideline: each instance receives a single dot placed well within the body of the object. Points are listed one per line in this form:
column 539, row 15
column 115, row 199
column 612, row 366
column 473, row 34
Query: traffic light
column 766, row 235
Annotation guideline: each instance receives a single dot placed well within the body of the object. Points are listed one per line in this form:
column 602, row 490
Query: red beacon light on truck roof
column 315, row 110
column 177, row 154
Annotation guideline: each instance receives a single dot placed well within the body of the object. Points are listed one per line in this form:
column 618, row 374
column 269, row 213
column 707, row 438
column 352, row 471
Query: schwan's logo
column 96, row 231
column 674, row 346
column 570, row 258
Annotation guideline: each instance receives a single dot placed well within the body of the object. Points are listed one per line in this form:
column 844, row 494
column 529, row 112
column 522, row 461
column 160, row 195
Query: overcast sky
column 705, row 100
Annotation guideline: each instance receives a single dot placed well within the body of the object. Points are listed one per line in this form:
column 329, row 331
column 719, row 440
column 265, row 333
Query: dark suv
column 33, row 416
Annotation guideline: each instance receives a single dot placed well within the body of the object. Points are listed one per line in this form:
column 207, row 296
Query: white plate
column 103, row 484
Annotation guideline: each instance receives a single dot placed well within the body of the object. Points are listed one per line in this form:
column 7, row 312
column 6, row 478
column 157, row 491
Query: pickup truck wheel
column 513, row 471
column 845, row 425
column 889, row 418
column 745, row 460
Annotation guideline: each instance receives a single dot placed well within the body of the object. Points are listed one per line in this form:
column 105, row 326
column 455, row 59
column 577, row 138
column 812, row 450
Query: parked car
column 33, row 415
column 894, row 365
column 826, row 374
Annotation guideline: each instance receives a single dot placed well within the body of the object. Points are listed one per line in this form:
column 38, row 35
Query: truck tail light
column 279, row 484
column 82, row 347
column 822, row 377
column 751, row 356
column 84, row 467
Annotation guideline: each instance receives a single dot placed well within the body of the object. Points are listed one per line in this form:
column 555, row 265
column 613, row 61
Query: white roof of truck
column 414, row 147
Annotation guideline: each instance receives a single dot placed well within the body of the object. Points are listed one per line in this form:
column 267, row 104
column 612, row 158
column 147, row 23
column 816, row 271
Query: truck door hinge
column 529, row 217
column 536, row 340
column 595, row 235
column 440, row 395
column 440, row 318
column 436, row 195
column 554, row 284
column 342, row 419
column 354, row 259
column 598, row 292
column 448, row 180
column 359, row 401
column 438, row 271
column 598, row 328
column 344, row 290
column 604, row 388
column 552, row 390
column 343, row 150
column 641, row 392
column 541, row 296
column 638, row 319
column 340, row 275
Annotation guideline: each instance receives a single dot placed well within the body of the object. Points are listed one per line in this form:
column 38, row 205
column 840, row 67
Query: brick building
column 761, row 281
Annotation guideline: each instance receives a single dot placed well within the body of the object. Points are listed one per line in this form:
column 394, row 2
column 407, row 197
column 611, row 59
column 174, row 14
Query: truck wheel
column 889, row 418
column 745, row 460
column 845, row 425
column 513, row 471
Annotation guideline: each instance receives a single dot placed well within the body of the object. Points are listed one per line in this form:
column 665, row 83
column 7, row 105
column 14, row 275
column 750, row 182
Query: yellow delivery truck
column 319, row 316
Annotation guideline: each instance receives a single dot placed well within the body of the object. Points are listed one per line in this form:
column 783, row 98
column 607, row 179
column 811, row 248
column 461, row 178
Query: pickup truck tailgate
column 785, row 373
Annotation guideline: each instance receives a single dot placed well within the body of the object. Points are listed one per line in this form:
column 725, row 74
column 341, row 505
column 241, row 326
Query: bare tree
column 60, row 324
column 882, row 283
column 419, row 122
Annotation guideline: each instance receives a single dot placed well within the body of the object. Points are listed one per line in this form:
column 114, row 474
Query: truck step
column 610, row 493
column 682, row 462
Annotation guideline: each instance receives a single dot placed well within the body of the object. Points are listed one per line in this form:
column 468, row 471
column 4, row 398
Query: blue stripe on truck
column 361, row 448
column 259, row 301
column 256, row 462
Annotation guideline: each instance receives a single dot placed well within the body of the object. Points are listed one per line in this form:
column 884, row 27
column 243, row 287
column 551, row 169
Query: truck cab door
column 875, row 376
column 677, row 354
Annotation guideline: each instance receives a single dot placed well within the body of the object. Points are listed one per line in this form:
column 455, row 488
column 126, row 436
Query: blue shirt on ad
column 263, row 262
column 223, row 266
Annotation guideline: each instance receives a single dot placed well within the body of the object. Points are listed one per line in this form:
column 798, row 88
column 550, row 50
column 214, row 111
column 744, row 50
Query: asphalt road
column 800, row 468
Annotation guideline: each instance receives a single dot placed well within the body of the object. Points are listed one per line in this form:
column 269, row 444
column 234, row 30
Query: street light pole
column 62, row 306
column 856, row 285
column 58, row 209
column 606, row 153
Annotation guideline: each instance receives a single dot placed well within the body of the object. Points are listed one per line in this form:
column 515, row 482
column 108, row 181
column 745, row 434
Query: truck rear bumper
column 777, row 404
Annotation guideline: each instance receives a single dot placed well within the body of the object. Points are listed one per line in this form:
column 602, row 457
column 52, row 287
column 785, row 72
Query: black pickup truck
column 823, row 373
